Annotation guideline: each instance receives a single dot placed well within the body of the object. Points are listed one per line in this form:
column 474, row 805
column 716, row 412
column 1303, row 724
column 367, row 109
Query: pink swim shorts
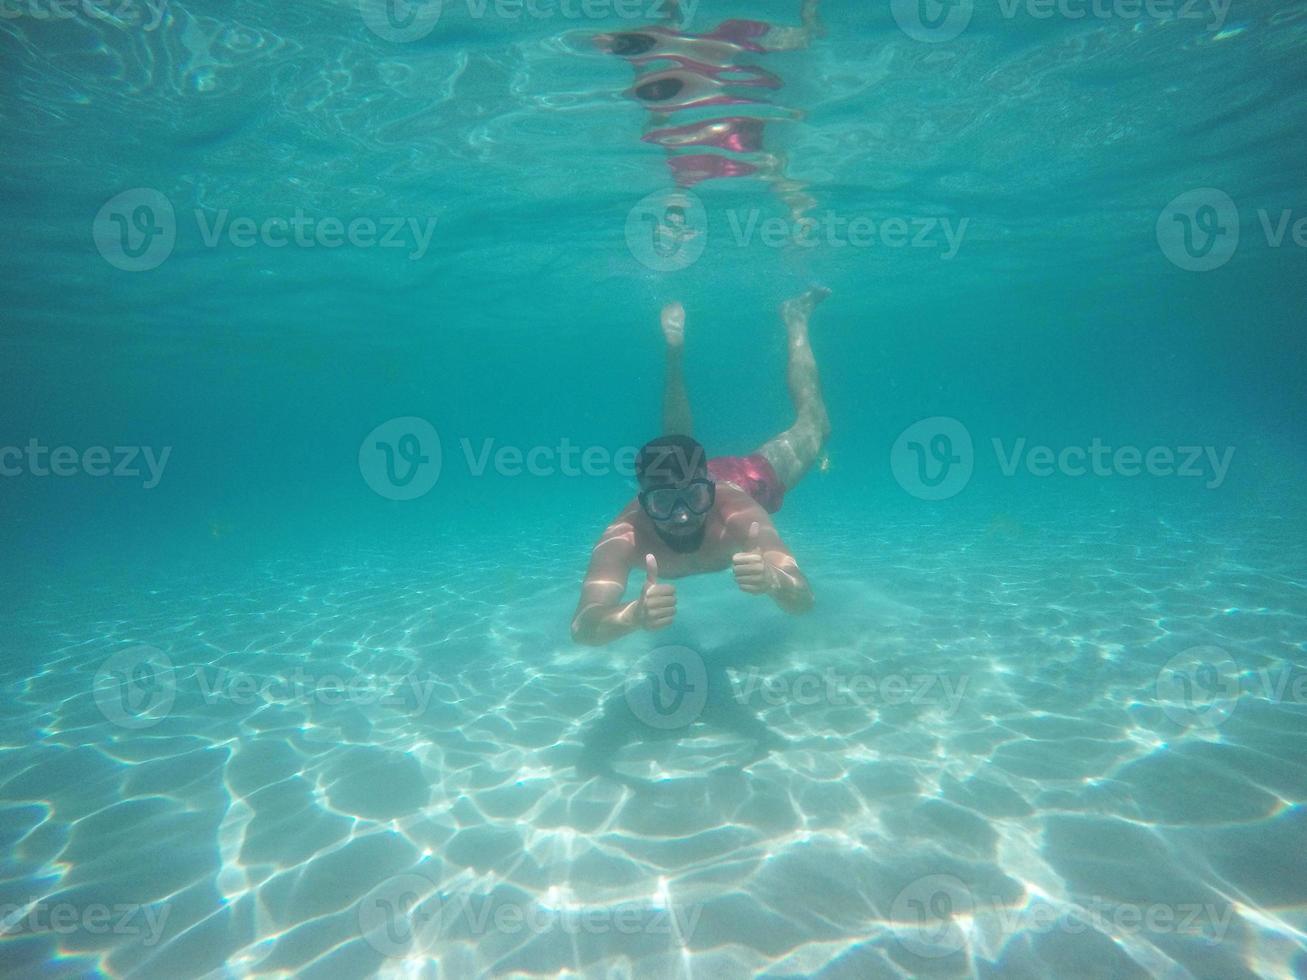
column 754, row 474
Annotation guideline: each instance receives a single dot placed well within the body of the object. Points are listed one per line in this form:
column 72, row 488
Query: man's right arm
column 601, row 616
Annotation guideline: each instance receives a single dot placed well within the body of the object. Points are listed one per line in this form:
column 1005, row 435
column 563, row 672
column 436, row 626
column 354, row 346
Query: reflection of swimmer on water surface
column 688, row 80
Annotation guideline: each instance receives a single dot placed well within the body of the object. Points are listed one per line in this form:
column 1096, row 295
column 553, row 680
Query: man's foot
column 674, row 325
column 795, row 312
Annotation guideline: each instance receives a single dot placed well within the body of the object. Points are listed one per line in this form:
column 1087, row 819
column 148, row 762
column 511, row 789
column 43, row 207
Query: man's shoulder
column 624, row 529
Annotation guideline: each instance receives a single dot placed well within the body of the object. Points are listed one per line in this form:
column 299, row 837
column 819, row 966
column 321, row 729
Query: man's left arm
column 765, row 566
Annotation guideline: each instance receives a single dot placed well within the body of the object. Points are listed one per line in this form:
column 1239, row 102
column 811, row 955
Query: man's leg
column 795, row 38
column 676, row 402
column 794, row 451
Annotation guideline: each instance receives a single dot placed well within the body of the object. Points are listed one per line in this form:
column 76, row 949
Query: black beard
column 683, row 544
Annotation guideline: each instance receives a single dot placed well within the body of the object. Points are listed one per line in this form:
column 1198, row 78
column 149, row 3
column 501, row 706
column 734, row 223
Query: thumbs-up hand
column 750, row 567
column 657, row 602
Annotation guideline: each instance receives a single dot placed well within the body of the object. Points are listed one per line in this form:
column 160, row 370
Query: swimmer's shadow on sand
column 722, row 713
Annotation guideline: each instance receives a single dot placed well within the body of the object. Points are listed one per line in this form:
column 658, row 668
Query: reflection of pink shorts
column 753, row 474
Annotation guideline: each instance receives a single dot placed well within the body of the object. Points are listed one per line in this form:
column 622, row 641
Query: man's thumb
column 753, row 535
column 651, row 570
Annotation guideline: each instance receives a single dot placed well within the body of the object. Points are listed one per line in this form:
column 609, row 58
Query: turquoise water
column 277, row 704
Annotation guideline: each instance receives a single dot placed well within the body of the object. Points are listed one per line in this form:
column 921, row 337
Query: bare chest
column 711, row 556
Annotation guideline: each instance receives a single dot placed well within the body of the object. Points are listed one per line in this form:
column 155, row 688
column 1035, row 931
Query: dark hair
column 631, row 44
column 659, row 89
column 669, row 460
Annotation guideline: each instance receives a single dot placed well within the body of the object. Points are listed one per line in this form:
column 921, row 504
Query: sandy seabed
column 1055, row 755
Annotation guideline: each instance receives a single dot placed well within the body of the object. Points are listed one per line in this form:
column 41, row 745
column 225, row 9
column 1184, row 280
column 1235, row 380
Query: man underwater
column 695, row 515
